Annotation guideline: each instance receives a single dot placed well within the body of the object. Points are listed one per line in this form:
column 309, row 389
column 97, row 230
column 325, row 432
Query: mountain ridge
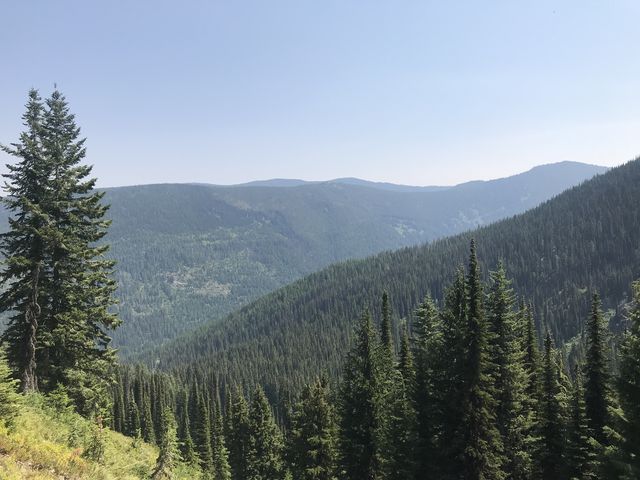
column 188, row 254
column 289, row 333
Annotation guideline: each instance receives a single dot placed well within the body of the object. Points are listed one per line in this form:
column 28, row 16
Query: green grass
column 49, row 443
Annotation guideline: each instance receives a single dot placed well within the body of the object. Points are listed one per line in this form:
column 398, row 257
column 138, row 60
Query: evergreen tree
column 359, row 405
column 313, row 435
column 146, row 421
column 509, row 376
column 386, row 337
column 551, row 429
column 581, row 451
column 9, row 399
column 483, row 452
column 629, row 390
column 406, row 362
column 399, row 442
column 169, row 453
column 238, row 436
column 597, row 389
column 82, row 289
column 221, row 468
column 187, row 448
column 201, row 428
column 390, row 385
column 24, row 246
column 427, row 347
column 59, row 283
column 531, row 359
column 134, row 426
column 119, row 416
column 452, row 361
column 265, row 446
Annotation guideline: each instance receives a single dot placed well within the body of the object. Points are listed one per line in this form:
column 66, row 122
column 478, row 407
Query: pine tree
column 628, row 383
column 313, row 435
column 187, row 449
column 551, row 423
column 427, row 346
column 24, row 246
column 169, row 453
column 399, row 443
column 9, row 399
column 59, row 283
column 509, row 376
column 148, row 429
column 386, row 337
column 265, row 446
column 597, row 389
column 531, row 359
column 406, row 362
column 483, row 452
column 221, row 468
column 389, row 387
column 238, row 436
column 134, row 426
column 581, row 451
column 201, row 429
column 119, row 415
column 450, row 380
column 82, row 289
column 359, row 405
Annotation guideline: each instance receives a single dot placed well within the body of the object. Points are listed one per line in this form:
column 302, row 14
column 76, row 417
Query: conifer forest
column 423, row 367
column 324, row 240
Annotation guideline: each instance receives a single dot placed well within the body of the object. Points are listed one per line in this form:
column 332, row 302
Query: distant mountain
column 558, row 254
column 189, row 254
column 285, row 182
column 276, row 182
column 555, row 173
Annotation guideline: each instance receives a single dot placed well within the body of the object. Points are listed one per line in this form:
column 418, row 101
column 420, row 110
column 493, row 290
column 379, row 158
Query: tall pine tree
column 313, row 435
column 581, row 448
column 550, row 454
column 265, row 446
column 359, row 405
column 597, row 377
column 512, row 415
column 427, row 348
column 483, row 452
column 221, row 468
column 238, row 434
column 629, row 389
column 82, row 289
column 59, row 285
column 24, row 246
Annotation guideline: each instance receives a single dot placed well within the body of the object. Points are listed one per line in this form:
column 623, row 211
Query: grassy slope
column 48, row 444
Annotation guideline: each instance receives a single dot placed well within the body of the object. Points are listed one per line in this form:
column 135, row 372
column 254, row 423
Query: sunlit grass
column 49, row 443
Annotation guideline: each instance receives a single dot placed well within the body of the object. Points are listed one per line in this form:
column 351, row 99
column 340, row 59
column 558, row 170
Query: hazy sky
column 424, row 92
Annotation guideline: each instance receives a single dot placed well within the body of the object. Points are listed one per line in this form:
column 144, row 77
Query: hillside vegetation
column 189, row 254
column 557, row 255
column 49, row 442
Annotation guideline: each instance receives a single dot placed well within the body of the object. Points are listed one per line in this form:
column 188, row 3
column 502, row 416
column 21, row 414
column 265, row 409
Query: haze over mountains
column 557, row 254
column 189, row 254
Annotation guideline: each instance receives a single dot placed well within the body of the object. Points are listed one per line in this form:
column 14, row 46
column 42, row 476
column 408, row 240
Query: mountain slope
column 557, row 253
column 188, row 254
column 49, row 443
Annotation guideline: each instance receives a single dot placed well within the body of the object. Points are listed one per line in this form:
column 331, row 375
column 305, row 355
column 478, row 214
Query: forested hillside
column 188, row 254
column 557, row 254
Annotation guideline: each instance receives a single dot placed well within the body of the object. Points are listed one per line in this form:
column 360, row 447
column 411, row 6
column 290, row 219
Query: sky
column 420, row 93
